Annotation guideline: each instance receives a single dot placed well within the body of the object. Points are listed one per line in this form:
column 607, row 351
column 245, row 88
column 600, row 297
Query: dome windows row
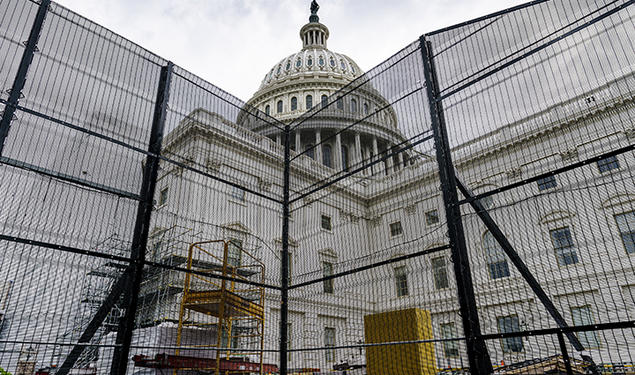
column 354, row 108
column 351, row 105
column 321, row 62
column 308, row 103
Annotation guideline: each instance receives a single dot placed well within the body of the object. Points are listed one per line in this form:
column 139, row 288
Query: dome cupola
column 314, row 34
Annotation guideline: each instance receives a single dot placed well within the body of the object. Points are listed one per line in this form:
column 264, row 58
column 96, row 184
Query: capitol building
column 574, row 230
column 395, row 208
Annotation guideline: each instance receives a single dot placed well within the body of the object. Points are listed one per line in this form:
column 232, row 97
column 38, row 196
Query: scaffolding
column 97, row 283
column 220, row 302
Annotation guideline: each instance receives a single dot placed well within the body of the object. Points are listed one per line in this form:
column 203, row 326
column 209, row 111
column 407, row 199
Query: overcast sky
column 234, row 43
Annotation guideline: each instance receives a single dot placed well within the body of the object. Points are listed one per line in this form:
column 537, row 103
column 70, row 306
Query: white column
column 366, row 171
column 389, row 163
column 318, row 146
column 375, row 155
column 298, row 144
column 399, row 162
column 337, row 163
column 358, row 150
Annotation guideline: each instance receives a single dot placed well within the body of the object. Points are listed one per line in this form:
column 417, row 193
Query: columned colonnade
column 360, row 148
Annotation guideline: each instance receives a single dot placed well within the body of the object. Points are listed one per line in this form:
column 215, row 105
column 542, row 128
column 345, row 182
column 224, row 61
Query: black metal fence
column 468, row 205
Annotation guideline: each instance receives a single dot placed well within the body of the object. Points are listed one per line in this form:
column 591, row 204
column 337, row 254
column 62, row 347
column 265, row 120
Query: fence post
column 20, row 77
column 142, row 224
column 478, row 357
column 284, row 269
column 565, row 354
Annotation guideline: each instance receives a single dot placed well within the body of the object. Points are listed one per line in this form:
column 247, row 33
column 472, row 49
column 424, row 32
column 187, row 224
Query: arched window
column 332, row 62
column 279, row 106
column 340, row 103
column 353, row 105
column 343, row 65
column 345, row 158
column 288, row 65
column 294, row 103
column 310, row 150
column 496, row 260
column 309, row 61
column 321, row 61
column 325, row 101
column 365, row 108
column 298, row 63
column 309, row 101
column 267, row 109
column 326, row 156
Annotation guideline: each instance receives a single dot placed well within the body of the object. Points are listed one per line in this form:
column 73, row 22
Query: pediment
column 557, row 215
column 292, row 241
column 619, row 200
column 479, row 187
column 328, row 253
column 237, row 226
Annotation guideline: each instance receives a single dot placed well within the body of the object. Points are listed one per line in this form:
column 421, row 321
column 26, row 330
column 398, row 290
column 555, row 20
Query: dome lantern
column 314, row 34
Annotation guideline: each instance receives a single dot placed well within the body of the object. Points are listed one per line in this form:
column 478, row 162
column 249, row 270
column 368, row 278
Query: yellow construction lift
column 215, row 297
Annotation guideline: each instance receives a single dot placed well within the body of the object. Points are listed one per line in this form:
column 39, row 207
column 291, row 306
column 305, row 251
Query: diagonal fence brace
column 95, row 323
column 511, row 253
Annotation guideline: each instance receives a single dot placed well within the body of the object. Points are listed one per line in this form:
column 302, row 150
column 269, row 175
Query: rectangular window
column 234, row 252
column 225, row 338
column 401, row 281
column 238, row 194
column 487, row 201
column 329, row 341
column 163, row 196
column 582, row 316
column 626, row 226
column 325, row 222
column 547, row 183
column 508, row 324
column 432, row 217
column 563, row 245
column 496, row 260
column 440, row 273
column 607, row 164
column 340, row 103
column 396, row 229
column 450, row 348
column 327, row 270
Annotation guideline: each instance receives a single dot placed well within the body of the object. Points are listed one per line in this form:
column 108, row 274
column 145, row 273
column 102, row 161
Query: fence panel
column 143, row 214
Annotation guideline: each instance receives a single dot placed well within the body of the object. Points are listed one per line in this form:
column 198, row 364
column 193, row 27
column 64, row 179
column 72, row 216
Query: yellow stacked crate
column 401, row 325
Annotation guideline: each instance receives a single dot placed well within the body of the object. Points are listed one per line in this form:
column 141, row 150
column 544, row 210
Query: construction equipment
column 217, row 304
column 399, row 326
column 239, row 308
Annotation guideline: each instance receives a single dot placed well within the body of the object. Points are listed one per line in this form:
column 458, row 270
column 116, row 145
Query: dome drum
column 347, row 150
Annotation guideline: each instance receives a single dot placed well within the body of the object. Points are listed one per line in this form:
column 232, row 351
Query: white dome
column 312, row 78
column 310, row 61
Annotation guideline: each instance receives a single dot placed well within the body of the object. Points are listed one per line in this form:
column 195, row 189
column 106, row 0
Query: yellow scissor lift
column 232, row 303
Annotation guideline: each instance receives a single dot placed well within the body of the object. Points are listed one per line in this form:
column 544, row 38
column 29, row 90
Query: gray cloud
column 234, row 43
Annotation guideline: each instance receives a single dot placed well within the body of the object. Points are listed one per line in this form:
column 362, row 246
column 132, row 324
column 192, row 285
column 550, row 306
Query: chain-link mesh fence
column 467, row 206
